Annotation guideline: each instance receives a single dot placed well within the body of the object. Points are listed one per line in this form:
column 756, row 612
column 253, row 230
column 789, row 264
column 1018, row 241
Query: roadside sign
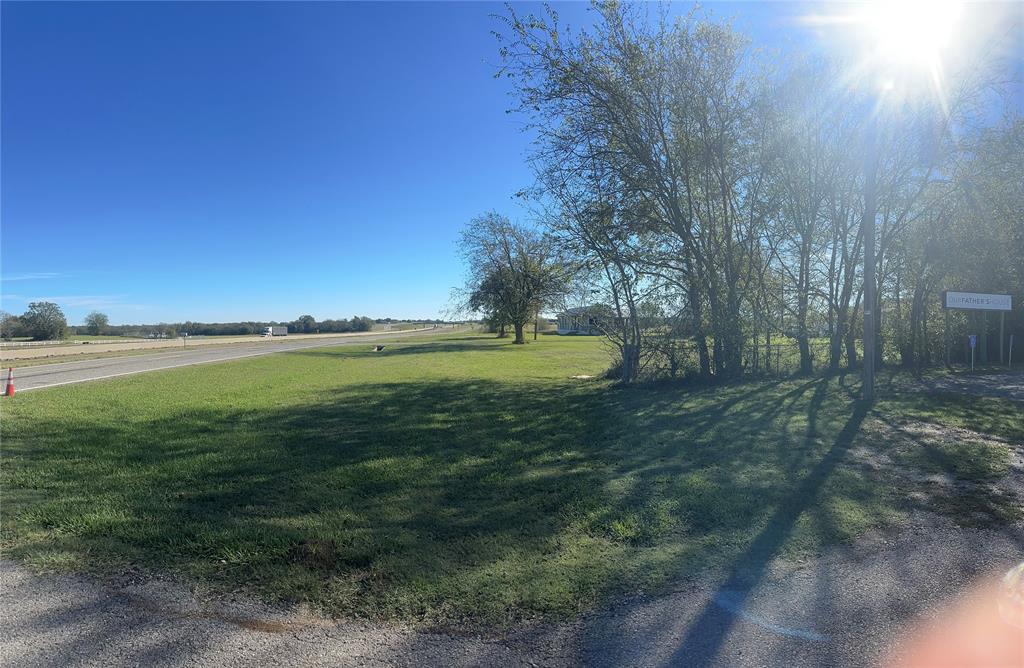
column 976, row 301
column 974, row 339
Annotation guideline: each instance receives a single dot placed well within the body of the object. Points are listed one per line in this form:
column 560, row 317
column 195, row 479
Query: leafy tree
column 361, row 324
column 10, row 325
column 96, row 323
column 44, row 321
column 488, row 298
column 514, row 271
column 683, row 170
column 305, row 324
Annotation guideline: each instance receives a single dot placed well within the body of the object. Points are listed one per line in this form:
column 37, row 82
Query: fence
column 680, row 358
column 15, row 345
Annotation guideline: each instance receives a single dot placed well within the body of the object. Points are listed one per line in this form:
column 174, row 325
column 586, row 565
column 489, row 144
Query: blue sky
column 227, row 161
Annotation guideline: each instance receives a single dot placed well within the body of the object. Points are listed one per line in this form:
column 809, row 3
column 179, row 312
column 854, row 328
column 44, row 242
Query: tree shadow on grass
column 441, row 501
column 706, row 635
column 392, row 350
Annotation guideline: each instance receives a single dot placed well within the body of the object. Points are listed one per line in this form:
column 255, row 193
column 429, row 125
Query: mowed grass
column 457, row 480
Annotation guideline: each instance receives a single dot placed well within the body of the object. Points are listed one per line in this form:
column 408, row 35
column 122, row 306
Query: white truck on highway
column 275, row 331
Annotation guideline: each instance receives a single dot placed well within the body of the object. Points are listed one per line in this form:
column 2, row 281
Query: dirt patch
column 976, row 479
column 1006, row 384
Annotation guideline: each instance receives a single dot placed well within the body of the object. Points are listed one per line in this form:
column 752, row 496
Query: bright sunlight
column 911, row 32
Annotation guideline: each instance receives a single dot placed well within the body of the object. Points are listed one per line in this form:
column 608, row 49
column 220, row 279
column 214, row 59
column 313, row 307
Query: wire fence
column 681, row 358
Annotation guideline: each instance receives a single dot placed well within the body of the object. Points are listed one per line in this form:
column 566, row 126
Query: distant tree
column 96, row 323
column 44, row 321
column 10, row 325
column 305, row 324
column 514, row 271
column 489, row 298
column 361, row 324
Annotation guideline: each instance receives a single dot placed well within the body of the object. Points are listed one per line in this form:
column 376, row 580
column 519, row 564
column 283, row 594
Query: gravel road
column 846, row 609
column 63, row 373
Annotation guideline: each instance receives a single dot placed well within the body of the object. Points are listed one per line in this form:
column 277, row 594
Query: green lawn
column 458, row 479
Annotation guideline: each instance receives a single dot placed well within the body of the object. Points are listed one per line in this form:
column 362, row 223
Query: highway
column 64, row 373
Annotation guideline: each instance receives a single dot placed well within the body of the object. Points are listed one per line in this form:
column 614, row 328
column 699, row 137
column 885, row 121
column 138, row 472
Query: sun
column 909, row 32
column 898, row 44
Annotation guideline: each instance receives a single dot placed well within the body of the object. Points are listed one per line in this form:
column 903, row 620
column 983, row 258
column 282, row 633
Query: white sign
column 977, row 301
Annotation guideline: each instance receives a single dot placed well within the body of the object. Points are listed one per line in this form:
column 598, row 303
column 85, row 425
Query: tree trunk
column 520, row 337
column 803, row 297
column 836, row 340
column 699, row 336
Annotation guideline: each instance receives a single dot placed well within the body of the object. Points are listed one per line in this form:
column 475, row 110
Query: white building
column 581, row 320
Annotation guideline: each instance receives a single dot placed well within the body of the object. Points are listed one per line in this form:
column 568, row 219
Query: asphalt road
column 64, row 373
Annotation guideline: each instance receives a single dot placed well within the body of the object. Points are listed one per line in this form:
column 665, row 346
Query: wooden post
column 1002, row 325
column 983, row 338
column 946, row 337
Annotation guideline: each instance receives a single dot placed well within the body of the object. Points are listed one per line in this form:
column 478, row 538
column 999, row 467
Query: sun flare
column 909, row 32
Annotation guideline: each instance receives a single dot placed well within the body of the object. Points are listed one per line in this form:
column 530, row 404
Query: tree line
column 44, row 321
column 712, row 199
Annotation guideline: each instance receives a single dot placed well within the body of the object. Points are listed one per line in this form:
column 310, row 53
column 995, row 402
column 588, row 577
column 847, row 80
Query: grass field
column 103, row 337
column 465, row 478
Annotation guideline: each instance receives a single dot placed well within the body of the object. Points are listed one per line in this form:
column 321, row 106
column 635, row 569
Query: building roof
column 580, row 310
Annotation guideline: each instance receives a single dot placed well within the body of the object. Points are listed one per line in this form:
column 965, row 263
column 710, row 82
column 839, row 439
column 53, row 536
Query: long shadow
column 393, row 349
column 431, row 481
column 972, row 500
column 706, row 635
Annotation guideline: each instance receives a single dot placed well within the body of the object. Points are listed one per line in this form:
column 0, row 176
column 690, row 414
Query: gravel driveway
column 1008, row 384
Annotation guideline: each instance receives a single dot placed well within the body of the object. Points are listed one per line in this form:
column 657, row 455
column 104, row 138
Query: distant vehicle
column 275, row 331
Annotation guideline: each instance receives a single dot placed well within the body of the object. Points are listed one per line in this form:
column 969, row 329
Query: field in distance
column 465, row 479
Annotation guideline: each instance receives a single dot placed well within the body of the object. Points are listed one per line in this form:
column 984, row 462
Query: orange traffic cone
column 9, row 390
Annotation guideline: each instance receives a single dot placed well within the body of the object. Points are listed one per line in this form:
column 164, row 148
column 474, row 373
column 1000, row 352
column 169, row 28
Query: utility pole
column 868, row 227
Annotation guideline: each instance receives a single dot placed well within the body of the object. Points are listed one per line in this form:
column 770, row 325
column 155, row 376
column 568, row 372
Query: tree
column 44, row 321
column 674, row 114
column 305, row 324
column 489, row 298
column 684, row 172
column 361, row 324
column 10, row 325
column 514, row 271
column 96, row 323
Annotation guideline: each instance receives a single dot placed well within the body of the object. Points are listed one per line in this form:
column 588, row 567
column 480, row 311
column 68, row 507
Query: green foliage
column 686, row 168
column 361, row 324
column 96, row 323
column 44, row 321
column 514, row 272
column 10, row 326
column 306, row 324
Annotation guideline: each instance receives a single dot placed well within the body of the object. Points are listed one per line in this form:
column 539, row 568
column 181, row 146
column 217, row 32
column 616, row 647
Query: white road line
column 196, row 363
column 159, row 368
column 169, row 352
